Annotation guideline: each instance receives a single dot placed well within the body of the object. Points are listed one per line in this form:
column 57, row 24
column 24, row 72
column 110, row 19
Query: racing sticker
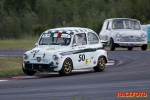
column 94, row 62
column 86, row 61
column 51, row 49
column 35, row 51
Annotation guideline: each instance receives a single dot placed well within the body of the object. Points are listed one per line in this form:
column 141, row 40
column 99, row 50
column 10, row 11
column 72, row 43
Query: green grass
column 10, row 66
column 149, row 45
column 18, row 44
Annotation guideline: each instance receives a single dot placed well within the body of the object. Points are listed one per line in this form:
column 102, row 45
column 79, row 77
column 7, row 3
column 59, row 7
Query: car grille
column 131, row 39
column 37, row 66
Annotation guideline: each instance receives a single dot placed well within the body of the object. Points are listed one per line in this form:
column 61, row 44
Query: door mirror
column 36, row 44
column 109, row 29
column 74, row 44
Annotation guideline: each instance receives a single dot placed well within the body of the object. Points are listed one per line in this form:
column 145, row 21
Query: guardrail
column 148, row 33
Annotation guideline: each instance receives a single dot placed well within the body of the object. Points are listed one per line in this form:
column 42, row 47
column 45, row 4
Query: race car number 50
column 81, row 57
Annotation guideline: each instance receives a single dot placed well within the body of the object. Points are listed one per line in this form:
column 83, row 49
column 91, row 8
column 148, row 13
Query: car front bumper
column 39, row 67
column 138, row 44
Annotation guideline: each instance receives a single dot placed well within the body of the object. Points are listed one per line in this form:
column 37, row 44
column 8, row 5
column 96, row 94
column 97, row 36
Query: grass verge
column 18, row 44
column 10, row 66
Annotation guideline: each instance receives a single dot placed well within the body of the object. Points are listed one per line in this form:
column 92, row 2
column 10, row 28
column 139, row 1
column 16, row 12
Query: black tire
column 112, row 45
column 66, row 68
column 28, row 72
column 144, row 47
column 129, row 48
column 100, row 64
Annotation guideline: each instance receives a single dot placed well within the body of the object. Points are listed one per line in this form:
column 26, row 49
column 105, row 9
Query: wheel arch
column 61, row 61
column 70, row 60
column 102, row 55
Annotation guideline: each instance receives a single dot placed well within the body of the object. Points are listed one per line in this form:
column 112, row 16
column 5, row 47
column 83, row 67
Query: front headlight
column 118, row 35
column 143, row 35
column 55, row 57
column 25, row 56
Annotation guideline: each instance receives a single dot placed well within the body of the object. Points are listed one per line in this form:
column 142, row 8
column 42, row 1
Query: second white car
column 123, row 32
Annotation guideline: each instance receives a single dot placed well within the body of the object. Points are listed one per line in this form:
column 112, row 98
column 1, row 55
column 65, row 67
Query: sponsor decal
column 94, row 62
column 58, row 35
column 131, row 94
column 35, row 51
column 81, row 47
column 86, row 61
column 51, row 49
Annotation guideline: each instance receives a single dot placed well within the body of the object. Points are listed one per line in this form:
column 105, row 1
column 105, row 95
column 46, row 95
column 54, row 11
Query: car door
column 80, row 51
column 108, row 31
column 94, row 44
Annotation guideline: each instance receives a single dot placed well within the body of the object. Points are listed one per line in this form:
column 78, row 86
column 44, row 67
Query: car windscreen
column 126, row 24
column 55, row 39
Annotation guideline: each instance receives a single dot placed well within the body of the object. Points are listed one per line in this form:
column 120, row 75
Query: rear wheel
column 130, row 48
column 112, row 45
column 144, row 47
column 100, row 64
column 66, row 68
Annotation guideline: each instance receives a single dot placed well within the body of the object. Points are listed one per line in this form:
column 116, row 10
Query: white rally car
column 65, row 49
column 123, row 32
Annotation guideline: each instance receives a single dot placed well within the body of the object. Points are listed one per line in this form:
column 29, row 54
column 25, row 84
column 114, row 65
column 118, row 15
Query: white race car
column 123, row 32
column 65, row 49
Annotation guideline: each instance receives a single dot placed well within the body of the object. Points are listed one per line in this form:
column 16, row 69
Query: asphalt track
column 131, row 73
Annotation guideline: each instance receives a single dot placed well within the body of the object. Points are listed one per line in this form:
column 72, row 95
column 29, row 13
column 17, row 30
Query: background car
column 123, row 32
column 65, row 49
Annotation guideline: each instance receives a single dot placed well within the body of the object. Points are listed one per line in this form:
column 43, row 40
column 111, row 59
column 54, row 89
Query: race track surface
column 131, row 73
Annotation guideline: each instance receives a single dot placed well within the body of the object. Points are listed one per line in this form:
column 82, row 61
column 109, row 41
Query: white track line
column 108, row 64
column 3, row 80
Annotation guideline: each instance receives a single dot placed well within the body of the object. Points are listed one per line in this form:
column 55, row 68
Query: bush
column 38, row 29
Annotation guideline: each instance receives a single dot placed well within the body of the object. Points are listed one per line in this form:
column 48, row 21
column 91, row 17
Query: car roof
column 121, row 19
column 68, row 30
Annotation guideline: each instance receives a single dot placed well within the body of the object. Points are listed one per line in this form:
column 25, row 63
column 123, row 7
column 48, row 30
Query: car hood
column 50, row 50
column 129, row 32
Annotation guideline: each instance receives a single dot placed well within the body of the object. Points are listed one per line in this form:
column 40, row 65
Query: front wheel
column 144, row 47
column 130, row 48
column 66, row 68
column 112, row 45
column 28, row 72
column 100, row 64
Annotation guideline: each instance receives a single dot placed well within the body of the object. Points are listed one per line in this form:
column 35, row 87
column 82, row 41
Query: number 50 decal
column 81, row 57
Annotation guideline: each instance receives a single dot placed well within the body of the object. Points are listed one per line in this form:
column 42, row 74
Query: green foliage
column 18, row 17
column 38, row 29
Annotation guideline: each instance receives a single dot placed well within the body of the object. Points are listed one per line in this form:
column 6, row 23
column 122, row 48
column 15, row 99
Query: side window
column 80, row 39
column 135, row 25
column 92, row 38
